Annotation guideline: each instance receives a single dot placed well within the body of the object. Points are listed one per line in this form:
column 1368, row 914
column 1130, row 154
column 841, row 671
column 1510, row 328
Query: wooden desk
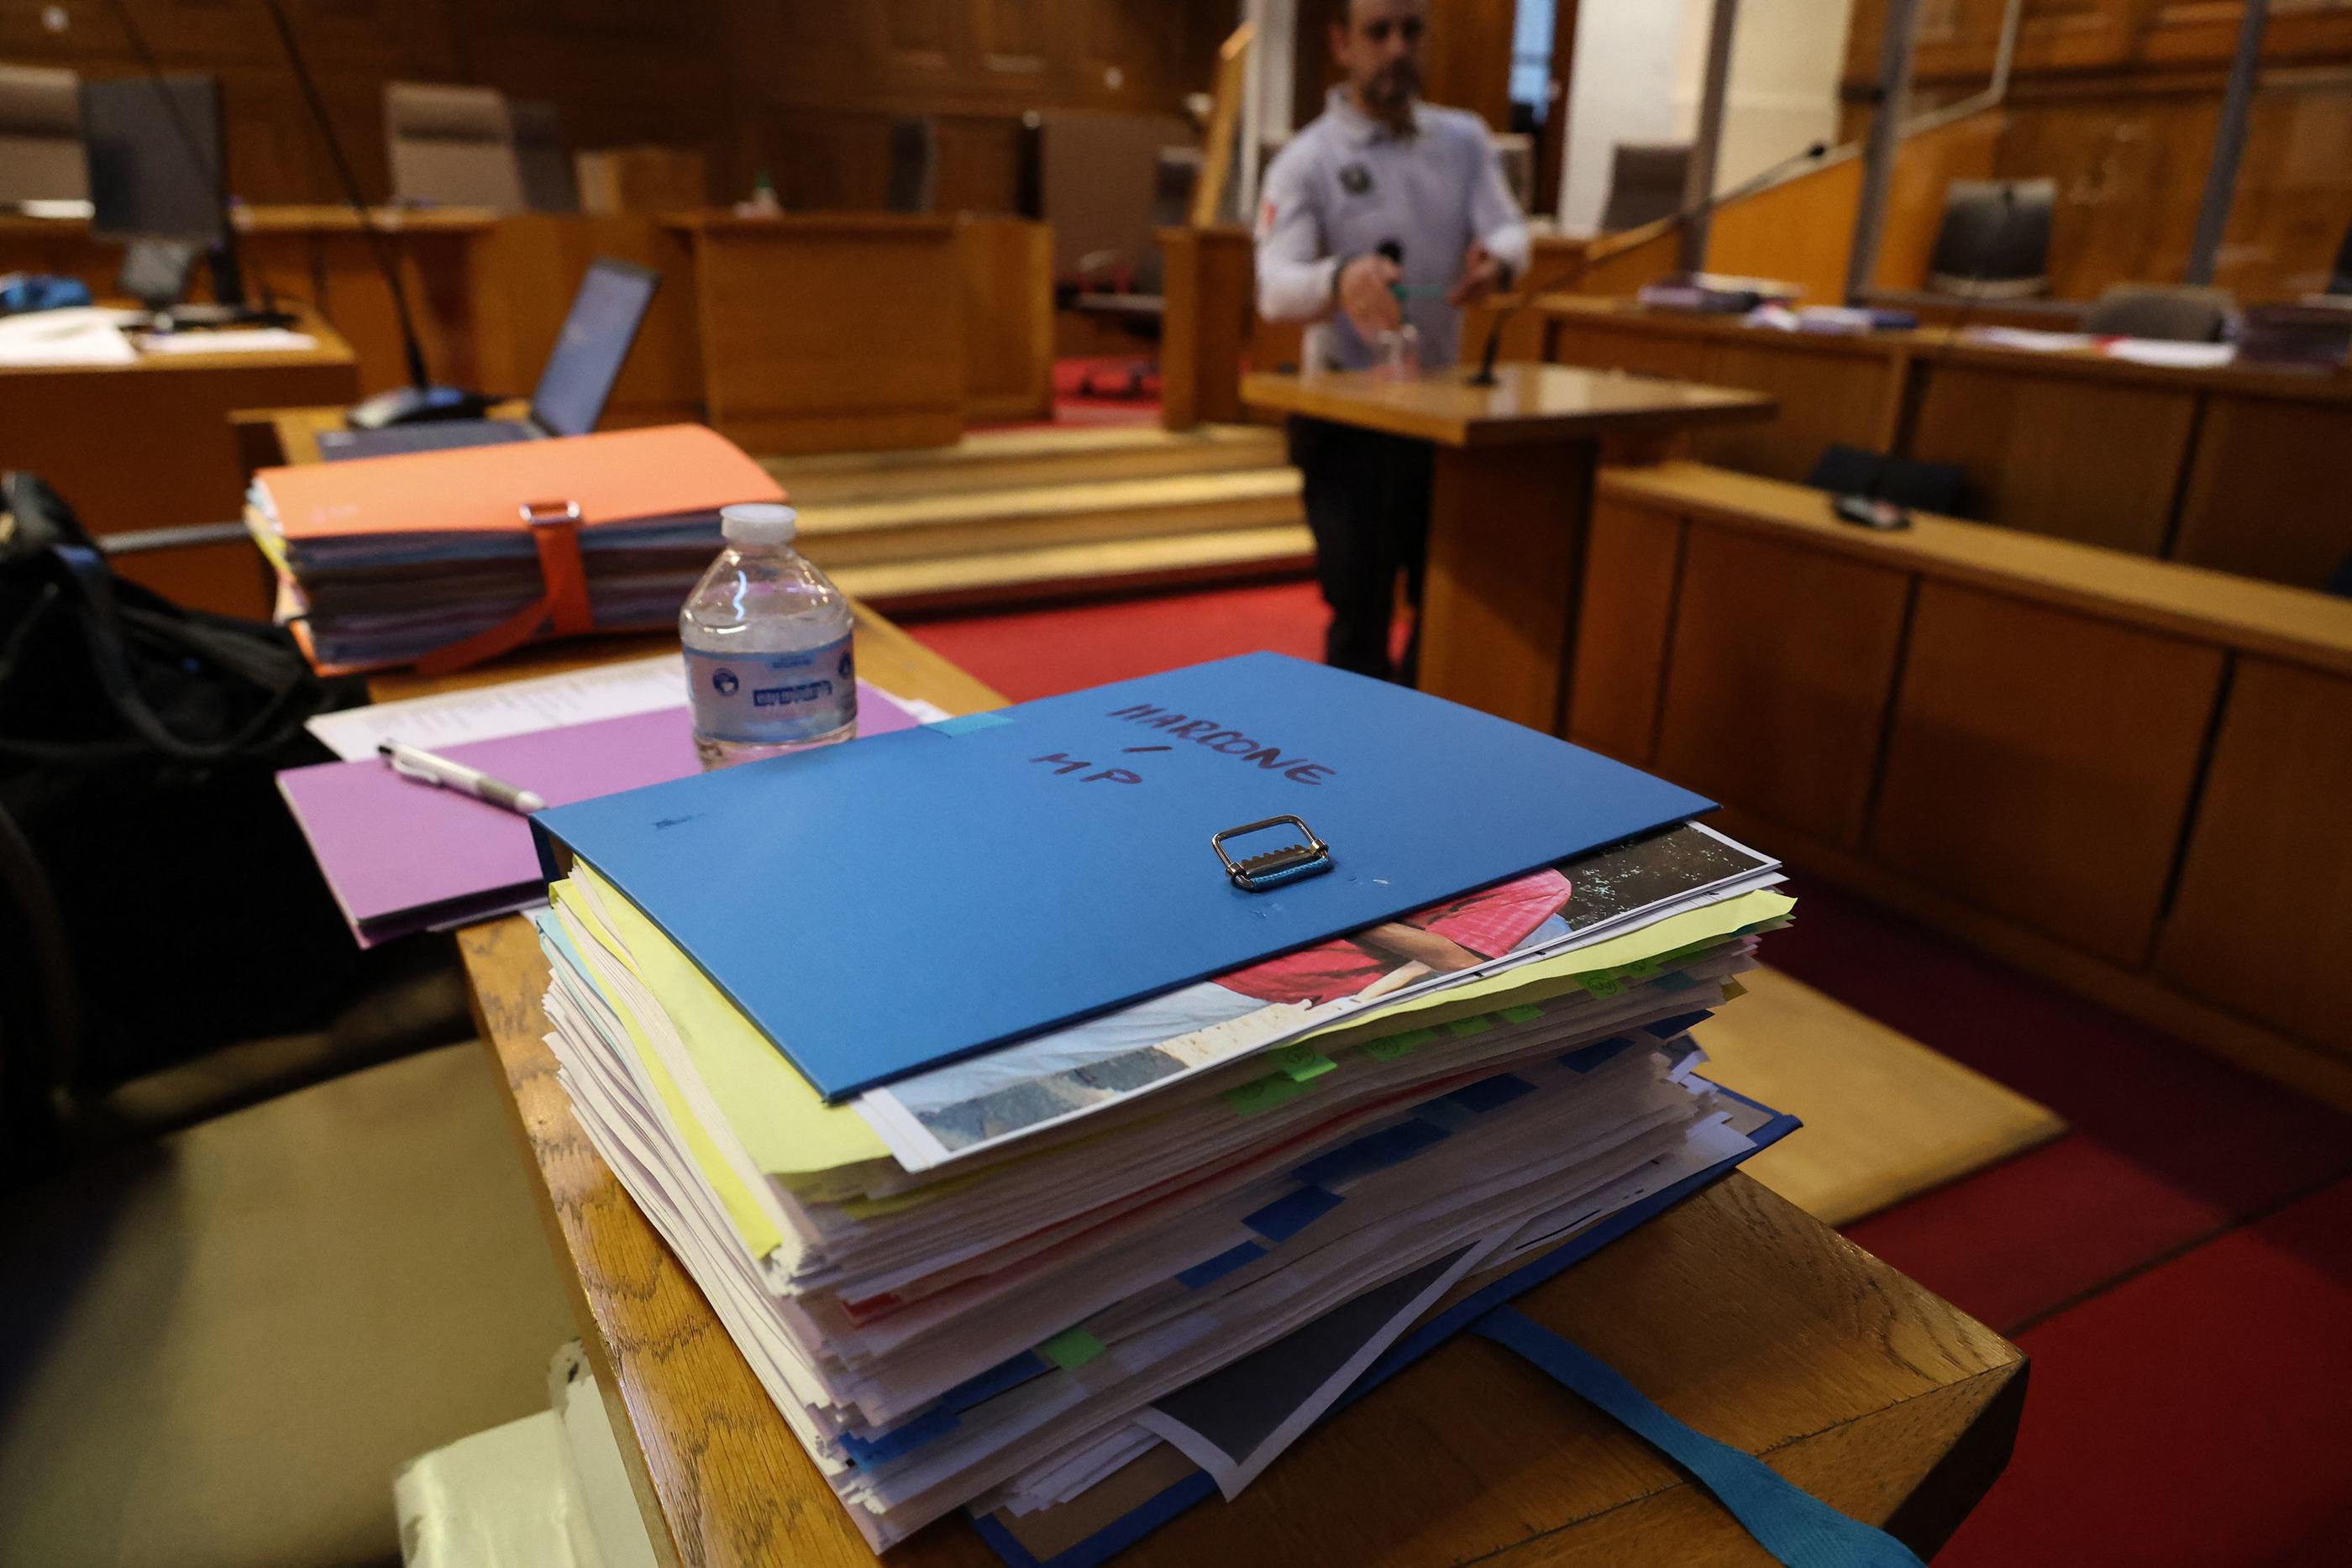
column 842, row 324
column 829, row 332
column 2238, row 469
column 1735, row 1310
column 2103, row 768
column 1512, row 490
column 521, row 280
column 317, row 257
column 150, row 446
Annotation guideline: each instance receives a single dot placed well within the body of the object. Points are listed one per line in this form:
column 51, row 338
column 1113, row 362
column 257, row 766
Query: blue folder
column 878, row 908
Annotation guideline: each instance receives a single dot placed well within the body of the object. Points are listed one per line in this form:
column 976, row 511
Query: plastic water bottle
column 768, row 663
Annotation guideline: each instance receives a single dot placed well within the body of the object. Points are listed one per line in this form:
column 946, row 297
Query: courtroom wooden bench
column 2125, row 775
column 2236, row 467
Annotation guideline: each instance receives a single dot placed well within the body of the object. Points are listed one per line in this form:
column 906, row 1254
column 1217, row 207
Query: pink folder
column 402, row 856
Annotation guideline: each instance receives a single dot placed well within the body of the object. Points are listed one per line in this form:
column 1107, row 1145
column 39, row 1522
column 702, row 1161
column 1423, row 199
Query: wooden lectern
column 1510, row 493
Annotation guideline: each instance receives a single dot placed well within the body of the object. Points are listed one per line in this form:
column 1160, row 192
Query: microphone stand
column 423, row 400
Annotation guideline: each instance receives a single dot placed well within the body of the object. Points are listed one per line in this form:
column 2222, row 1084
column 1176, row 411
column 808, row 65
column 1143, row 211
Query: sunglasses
column 1406, row 27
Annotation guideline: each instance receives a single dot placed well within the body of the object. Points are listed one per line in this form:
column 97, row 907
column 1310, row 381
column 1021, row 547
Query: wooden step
column 1021, row 459
column 1073, row 571
column 1886, row 1118
column 838, row 536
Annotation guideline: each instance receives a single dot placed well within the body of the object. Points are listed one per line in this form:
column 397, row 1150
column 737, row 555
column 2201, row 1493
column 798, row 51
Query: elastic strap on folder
column 1797, row 1528
column 561, row 609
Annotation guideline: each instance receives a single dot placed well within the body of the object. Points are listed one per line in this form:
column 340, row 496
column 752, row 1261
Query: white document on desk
column 228, row 340
column 521, row 707
column 509, row 707
column 81, row 335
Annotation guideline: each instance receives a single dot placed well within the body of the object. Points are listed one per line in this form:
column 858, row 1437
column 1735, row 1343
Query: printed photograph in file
column 971, row 1104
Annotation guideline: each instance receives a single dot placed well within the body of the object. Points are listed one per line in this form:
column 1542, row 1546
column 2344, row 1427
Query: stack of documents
column 382, row 560
column 1017, row 1145
column 1716, row 293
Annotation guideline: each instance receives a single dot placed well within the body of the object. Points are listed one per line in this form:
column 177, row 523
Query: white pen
column 443, row 774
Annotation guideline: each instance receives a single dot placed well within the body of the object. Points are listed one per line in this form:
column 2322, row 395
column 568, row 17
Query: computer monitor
column 155, row 158
column 588, row 354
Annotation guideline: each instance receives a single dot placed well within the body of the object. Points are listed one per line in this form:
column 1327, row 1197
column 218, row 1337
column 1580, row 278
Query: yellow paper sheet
column 750, row 1221
column 782, row 1123
column 789, row 1131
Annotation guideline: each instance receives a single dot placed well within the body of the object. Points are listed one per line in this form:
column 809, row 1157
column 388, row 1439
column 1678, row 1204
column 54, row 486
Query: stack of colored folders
column 1172, row 1233
column 382, row 560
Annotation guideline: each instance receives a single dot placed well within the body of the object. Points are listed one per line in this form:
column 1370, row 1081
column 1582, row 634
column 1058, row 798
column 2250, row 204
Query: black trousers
column 1366, row 496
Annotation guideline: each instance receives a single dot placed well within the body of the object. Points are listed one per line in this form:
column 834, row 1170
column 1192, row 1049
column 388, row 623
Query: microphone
column 420, row 399
column 1485, row 374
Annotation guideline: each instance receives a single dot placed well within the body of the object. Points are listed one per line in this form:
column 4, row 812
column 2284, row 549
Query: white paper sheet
column 84, row 335
column 521, row 707
column 511, row 707
column 230, row 340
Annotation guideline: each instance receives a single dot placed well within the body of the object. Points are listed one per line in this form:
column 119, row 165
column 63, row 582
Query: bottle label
column 771, row 699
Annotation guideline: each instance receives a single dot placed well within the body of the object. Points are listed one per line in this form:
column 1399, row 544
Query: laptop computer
column 572, row 389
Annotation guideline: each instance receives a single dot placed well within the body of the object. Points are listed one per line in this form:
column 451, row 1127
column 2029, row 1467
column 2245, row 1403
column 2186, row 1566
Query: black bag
column 139, row 743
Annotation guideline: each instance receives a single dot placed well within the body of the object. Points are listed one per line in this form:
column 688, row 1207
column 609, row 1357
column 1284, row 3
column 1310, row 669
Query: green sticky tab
column 1599, row 984
column 1071, row 1349
column 1525, row 1012
column 1263, row 1093
column 1388, row 1047
column 1640, row 969
column 1301, row 1063
column 1463, row 1029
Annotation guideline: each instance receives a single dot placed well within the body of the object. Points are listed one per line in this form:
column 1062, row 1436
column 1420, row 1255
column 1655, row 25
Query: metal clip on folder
column 1272, row 869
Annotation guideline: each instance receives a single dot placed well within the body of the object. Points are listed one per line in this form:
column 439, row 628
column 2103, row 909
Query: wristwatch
column 1339, row 264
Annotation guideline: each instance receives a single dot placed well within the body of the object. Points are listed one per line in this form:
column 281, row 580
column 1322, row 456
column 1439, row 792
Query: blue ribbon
column 1797, row 1528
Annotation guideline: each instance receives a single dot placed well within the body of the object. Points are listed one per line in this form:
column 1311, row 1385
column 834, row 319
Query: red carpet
column 2169, row 1144
column 2179, row 1266
column 1038, row 653
column 2196, row 1415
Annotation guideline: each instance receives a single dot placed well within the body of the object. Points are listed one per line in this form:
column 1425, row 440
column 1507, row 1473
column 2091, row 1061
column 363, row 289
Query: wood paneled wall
column 803, row 88
column 2117, row 101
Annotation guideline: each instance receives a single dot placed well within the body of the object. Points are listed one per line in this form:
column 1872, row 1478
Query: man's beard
column 1392, row 87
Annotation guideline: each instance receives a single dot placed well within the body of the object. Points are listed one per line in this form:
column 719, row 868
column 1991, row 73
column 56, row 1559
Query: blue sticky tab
column 1489, row 1093
column 1587, row 1058
column 1010, row 1372
column 1675, row 981
column 936, row 1422
column 1666, row 1028
column 1373, row 1152
column 1222, row 1264
column 965, row 724
column 1286, row 1216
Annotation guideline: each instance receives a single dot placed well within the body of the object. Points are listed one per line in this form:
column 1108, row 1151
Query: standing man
column 1383, row 211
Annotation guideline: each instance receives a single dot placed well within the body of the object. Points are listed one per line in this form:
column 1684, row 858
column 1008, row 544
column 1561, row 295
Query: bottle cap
column 758, row 523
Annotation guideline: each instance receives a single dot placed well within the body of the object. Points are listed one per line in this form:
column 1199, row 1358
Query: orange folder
column 613, row 476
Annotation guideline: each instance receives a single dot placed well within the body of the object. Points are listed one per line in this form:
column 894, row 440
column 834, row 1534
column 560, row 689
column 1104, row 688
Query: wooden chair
column 453, row 147
column 1645, row 183
column 550, row 184
column 1994, row 240
column 41, row 157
